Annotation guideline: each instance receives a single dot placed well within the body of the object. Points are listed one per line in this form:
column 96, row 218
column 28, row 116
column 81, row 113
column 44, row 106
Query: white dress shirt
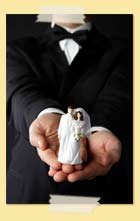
column 71, row 48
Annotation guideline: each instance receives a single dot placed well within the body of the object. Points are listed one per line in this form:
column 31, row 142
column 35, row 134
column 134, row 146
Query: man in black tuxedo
column 44, row 77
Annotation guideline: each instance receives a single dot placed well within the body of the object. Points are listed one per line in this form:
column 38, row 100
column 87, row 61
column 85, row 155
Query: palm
column 104, row 151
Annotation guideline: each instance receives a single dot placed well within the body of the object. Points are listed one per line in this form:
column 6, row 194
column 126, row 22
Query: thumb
column 37, row 135
column 83, row 148
column 42, row 142
column 38, row 140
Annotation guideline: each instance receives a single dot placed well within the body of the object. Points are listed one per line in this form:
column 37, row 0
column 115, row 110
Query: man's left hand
column 104, row 151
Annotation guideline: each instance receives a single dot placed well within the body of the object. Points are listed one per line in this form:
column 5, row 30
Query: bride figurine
column 72, row 129
column 78, row 126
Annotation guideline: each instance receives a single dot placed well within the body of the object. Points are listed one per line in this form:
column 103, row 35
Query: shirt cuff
column 98, row 128
column 50, row 110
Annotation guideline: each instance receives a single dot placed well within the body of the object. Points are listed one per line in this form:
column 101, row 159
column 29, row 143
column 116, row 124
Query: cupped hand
column 43, row 136
column 104, row 151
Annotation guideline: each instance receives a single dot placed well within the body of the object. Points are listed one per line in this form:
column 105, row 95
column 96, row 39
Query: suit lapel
column 52, row 48
column 53, row 60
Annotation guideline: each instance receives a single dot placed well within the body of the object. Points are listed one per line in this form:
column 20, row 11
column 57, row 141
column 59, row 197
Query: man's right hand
column 43, row 135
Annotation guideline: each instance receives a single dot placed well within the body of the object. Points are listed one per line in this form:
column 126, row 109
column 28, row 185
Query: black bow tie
column 78, row 36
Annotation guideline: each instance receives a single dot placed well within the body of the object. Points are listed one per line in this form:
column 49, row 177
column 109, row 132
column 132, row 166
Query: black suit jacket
column 99, row 80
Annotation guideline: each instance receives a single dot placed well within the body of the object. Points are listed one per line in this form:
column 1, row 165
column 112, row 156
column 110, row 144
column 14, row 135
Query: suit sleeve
column 113, row 106
column 25, row 95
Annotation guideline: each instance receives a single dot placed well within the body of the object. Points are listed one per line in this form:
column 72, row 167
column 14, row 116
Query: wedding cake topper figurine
column 72, row 129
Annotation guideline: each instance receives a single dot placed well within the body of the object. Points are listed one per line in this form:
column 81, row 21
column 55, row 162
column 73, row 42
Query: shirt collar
column 85, row 26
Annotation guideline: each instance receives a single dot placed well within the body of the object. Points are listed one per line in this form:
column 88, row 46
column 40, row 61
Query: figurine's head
column 70, row 110
column 79, row 116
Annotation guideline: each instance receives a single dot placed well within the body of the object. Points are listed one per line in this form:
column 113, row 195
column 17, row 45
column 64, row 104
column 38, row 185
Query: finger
column 60, row 176
column 78, row 167
column 52, row 172
column 53, row 142
column 83, row 142
column 90, row 171
column 48, row 156
column 76, row 176
column 86, row 173
column 83, row 153
column 83, row 148
column 42, row 142
column 67, row 168
column 38, row 140
column 37, row 137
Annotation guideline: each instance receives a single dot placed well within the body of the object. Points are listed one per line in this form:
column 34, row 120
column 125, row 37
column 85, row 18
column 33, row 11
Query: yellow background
column 102, row 212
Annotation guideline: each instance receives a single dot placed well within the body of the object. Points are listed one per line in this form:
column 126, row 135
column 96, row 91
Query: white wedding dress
column 74, row 142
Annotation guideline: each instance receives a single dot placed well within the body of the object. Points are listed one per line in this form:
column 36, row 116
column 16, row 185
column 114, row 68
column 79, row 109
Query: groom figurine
column 64, row 132
column 72, row 63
